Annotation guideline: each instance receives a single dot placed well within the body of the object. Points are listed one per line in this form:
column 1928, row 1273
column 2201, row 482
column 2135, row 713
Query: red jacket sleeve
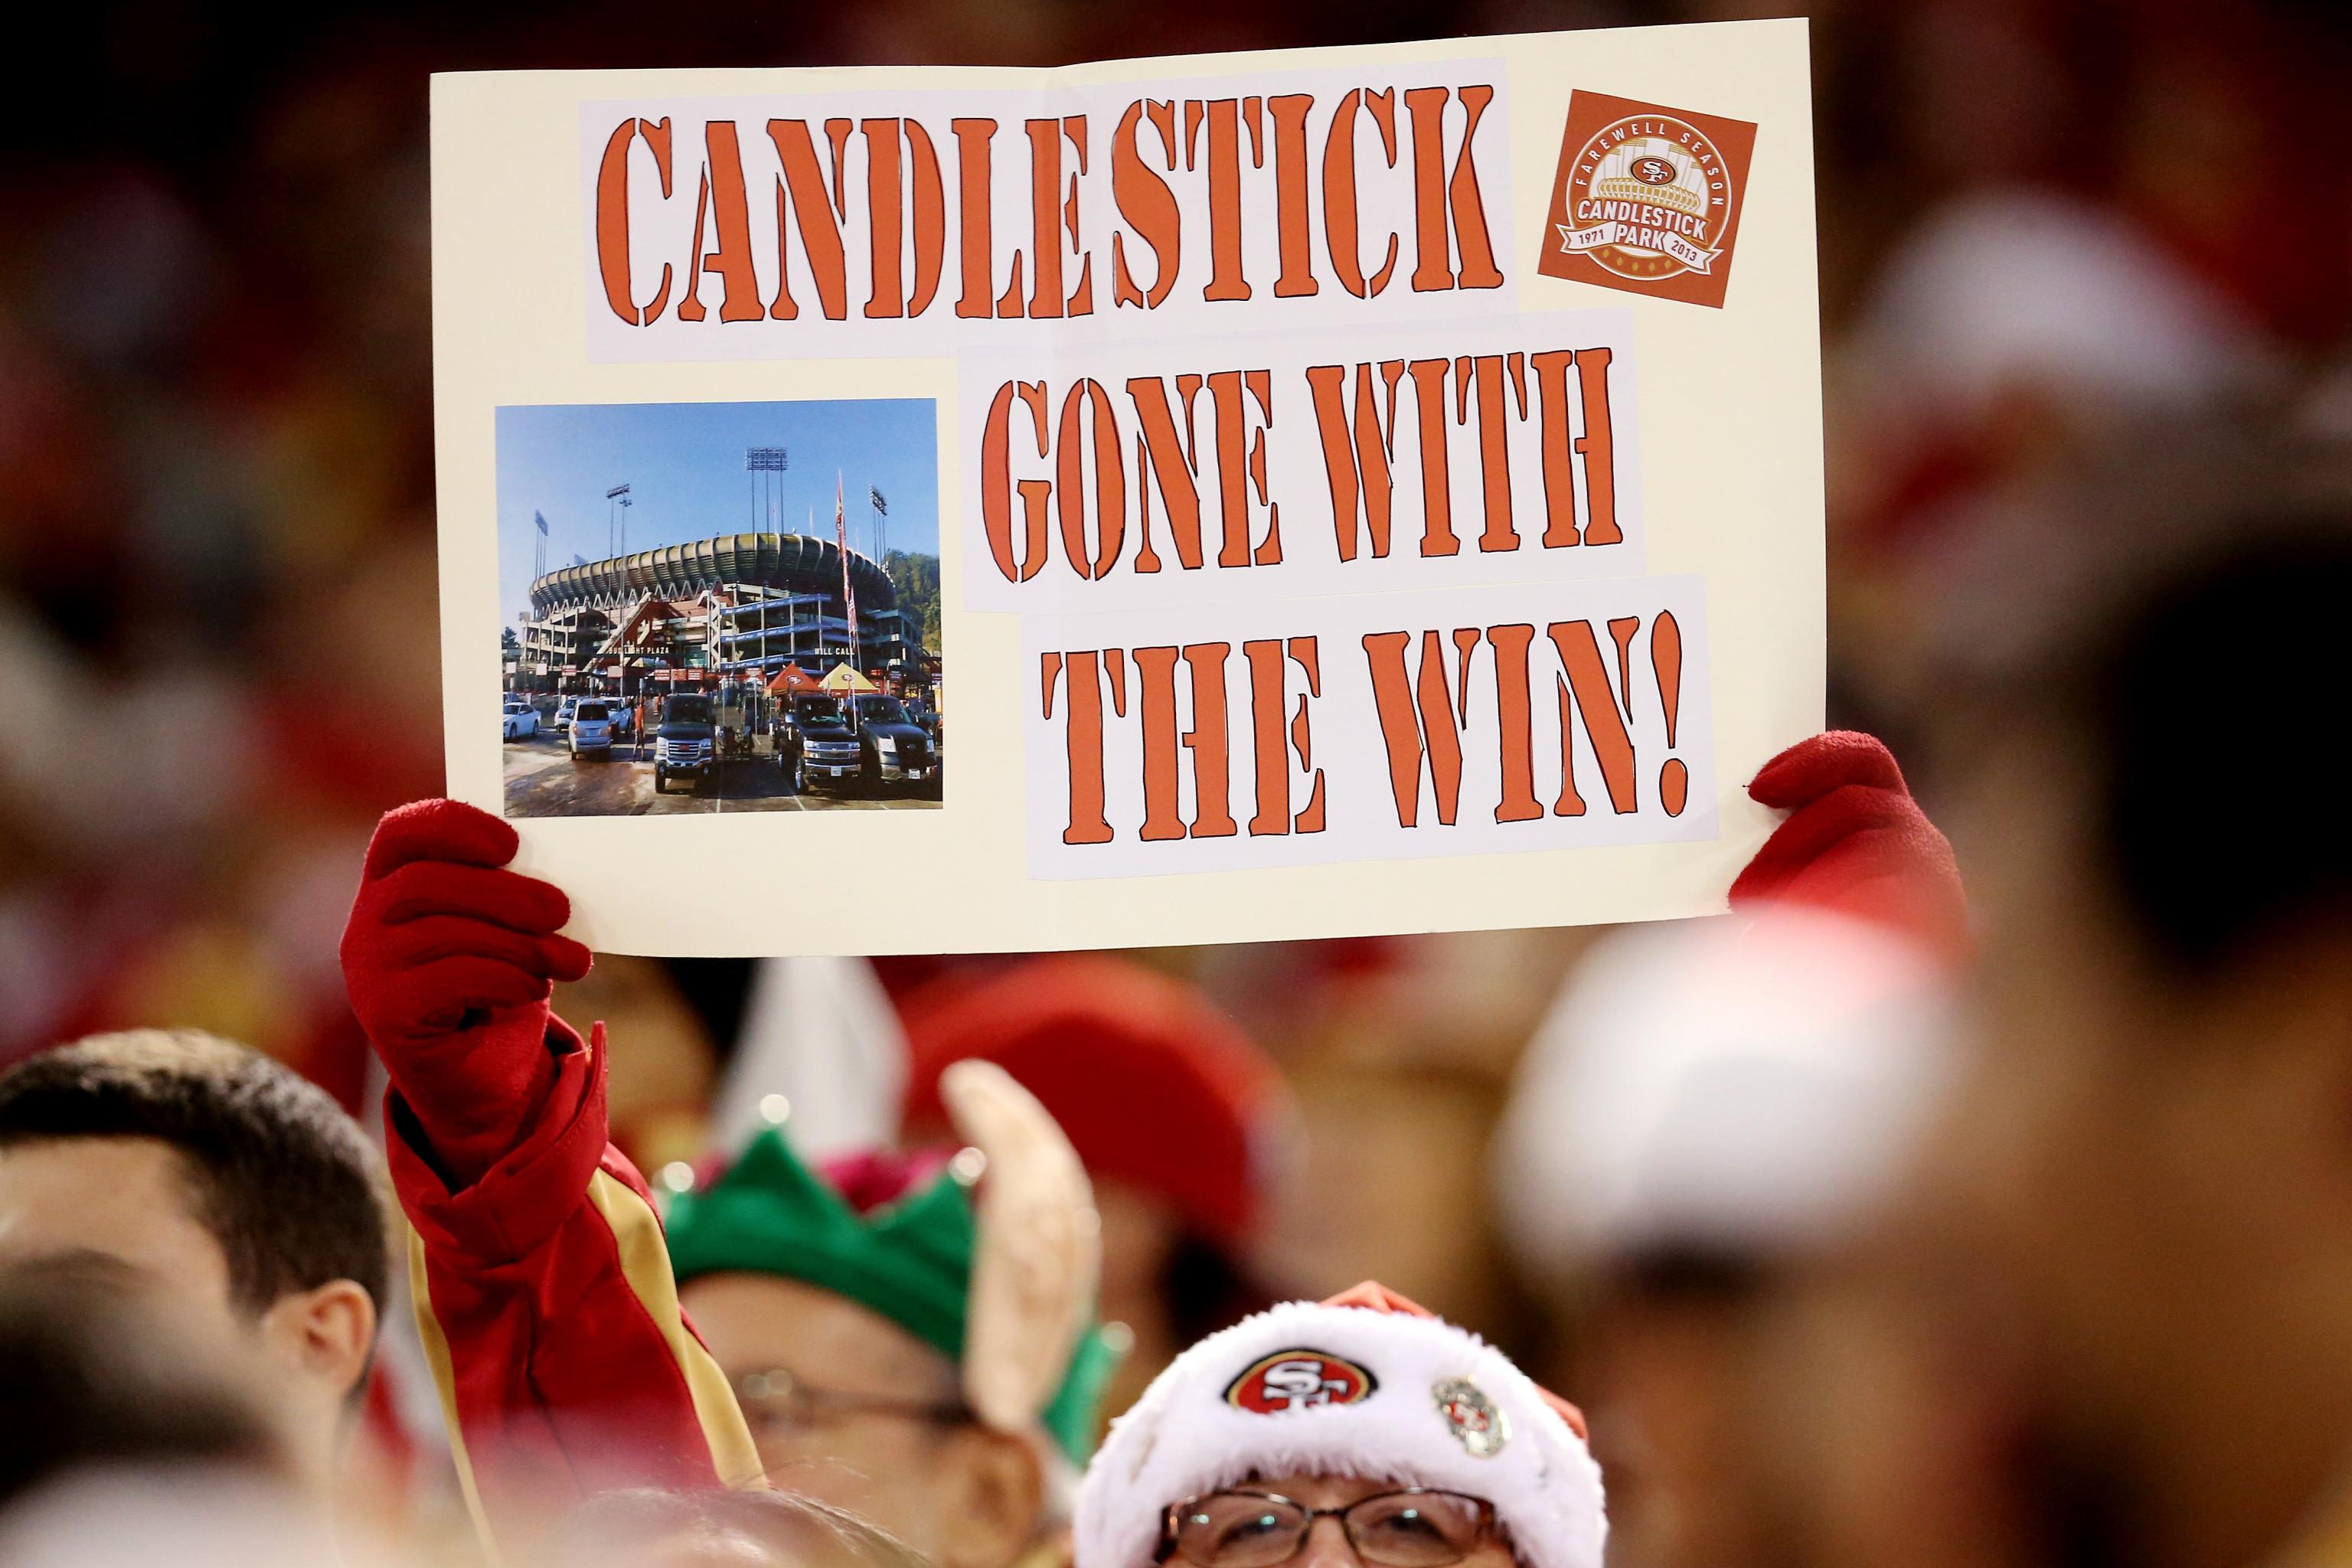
column 544, row 1298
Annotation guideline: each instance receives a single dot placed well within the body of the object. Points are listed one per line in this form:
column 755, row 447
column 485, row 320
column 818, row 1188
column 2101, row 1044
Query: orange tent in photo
column 793, row 679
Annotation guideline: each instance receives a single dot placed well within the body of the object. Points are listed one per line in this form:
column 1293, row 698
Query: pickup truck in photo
column 683, row 746
column 894, row 749
column 814, row 744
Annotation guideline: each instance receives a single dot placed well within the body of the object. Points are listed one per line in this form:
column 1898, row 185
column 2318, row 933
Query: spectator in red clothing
column 850, row 1337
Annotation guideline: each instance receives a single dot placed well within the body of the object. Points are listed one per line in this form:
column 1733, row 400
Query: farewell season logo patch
column 1647, row 199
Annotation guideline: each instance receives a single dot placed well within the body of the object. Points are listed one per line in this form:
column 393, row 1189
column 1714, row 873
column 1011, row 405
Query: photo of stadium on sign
column 716, row 607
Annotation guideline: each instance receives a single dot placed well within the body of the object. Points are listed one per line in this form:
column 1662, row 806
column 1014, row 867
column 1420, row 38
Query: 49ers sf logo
column 1647, row 199
column 1300, row 1380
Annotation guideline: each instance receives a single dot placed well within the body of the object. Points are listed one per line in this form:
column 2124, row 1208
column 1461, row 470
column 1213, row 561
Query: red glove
column 1854, row 841
column 450, row 960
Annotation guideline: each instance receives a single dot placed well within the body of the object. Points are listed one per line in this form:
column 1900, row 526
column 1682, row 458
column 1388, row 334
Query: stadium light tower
column 881, row 526
column 625, row 504
column 613, row 515
column 767, row 494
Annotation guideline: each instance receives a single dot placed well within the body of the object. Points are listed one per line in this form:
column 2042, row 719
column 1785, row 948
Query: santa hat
column 1155, row 1086
column 1368, row 1385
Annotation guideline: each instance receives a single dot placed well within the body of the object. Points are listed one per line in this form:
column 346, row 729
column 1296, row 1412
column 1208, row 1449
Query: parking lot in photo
column 544, row 779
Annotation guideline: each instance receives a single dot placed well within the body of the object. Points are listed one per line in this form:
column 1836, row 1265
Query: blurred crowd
column 2087, row 281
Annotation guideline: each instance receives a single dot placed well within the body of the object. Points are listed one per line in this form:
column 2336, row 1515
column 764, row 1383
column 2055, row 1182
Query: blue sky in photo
column 684, row 463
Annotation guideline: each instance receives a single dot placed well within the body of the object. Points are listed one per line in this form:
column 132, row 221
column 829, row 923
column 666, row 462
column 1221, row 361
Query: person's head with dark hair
column 212, row 1189
column 83, row 1391
column 125, row 1441
column 2150, row 1154
column 650, row 1528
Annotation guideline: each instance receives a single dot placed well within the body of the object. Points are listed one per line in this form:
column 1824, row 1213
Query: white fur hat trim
column 1408, row 1399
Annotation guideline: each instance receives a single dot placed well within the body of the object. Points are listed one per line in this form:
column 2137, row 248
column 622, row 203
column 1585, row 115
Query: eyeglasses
column 777, row 1401
column 1410, row 1529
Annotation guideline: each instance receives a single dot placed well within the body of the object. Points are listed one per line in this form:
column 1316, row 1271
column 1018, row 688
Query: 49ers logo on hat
column 1300, row 1380
column 1647, row 199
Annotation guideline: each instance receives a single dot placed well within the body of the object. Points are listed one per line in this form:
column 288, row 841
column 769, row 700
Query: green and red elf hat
column 906, row 1237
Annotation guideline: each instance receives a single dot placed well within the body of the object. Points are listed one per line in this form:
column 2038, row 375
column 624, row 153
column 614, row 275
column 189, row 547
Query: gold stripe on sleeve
column 645, row 1263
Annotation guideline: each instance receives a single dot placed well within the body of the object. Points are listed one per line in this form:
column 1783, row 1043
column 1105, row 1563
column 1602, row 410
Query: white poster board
column 1234, row 497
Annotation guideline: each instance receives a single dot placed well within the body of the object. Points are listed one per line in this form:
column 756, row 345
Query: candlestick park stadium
column 735, row 605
